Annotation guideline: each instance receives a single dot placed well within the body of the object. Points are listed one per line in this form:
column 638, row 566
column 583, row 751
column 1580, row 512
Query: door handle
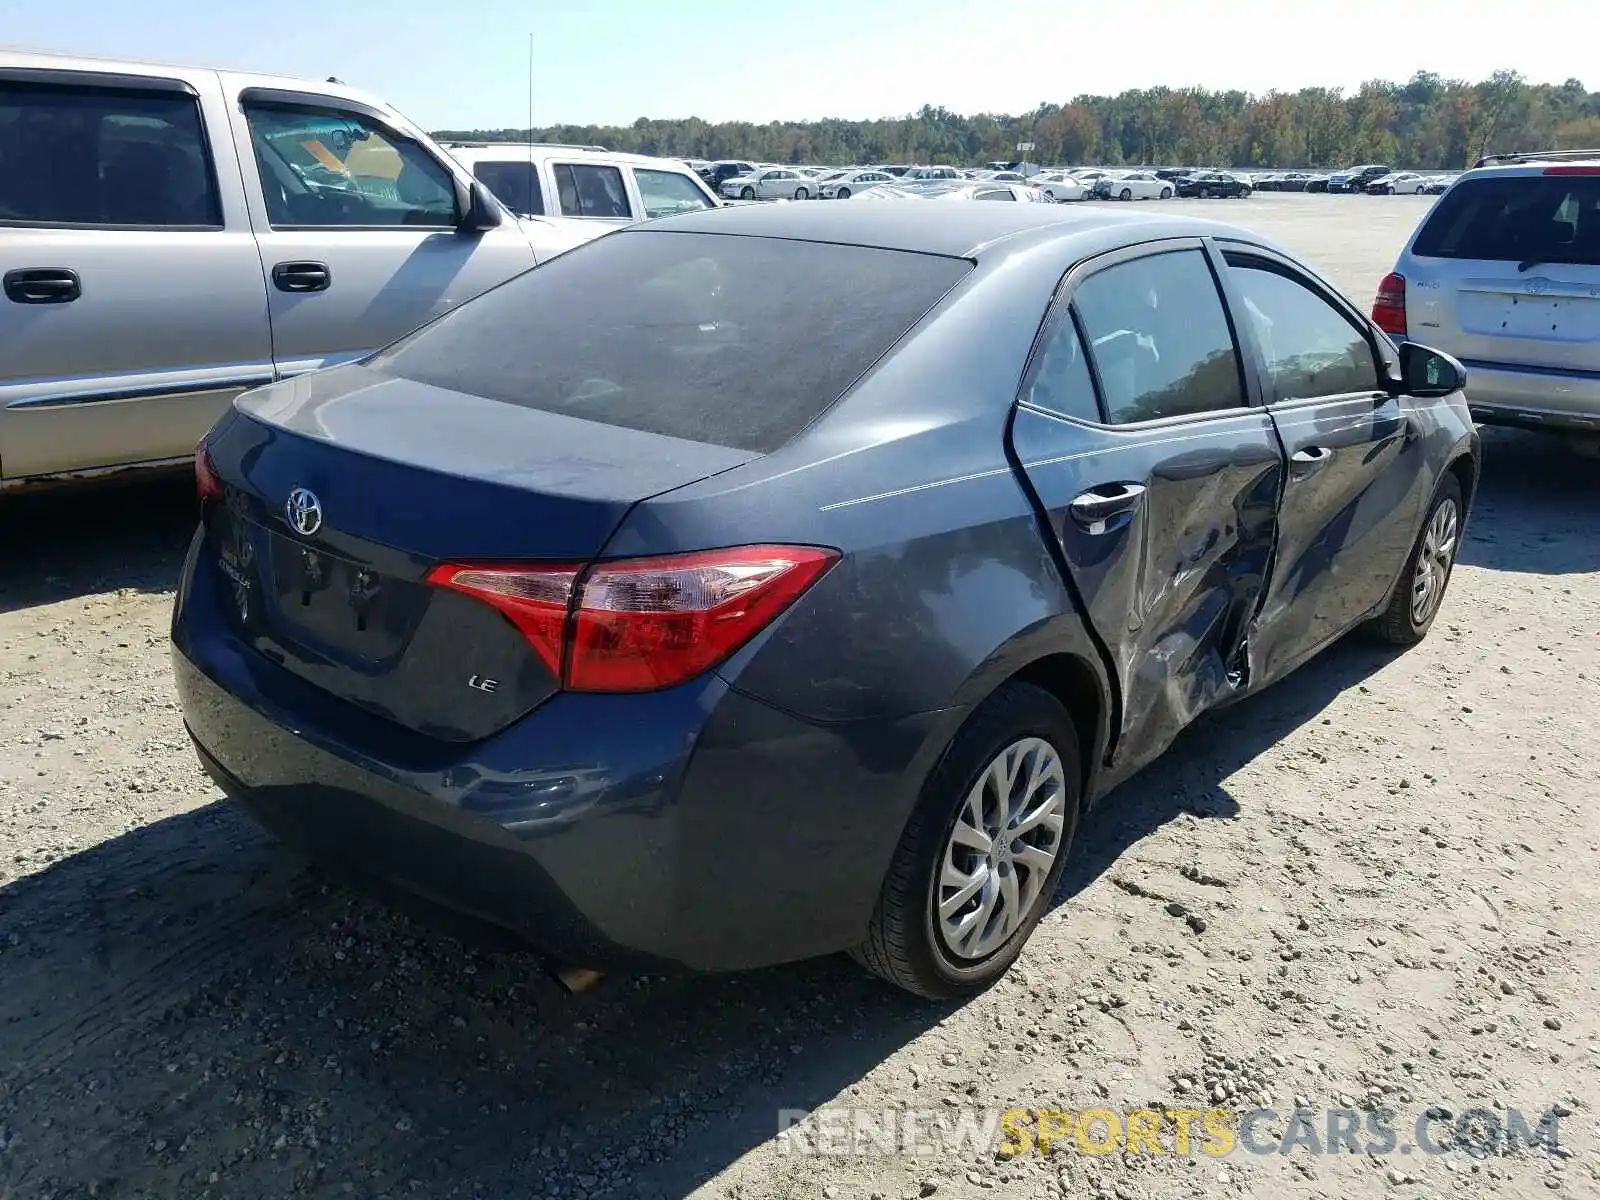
column 302, row 277
column 42, row 285
column 1310, row 458
column 1097, row 509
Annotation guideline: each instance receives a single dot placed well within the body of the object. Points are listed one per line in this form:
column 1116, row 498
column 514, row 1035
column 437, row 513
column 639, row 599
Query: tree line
column 1427, row 123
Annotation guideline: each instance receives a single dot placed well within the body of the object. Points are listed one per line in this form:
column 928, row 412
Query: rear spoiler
column 1530, row 156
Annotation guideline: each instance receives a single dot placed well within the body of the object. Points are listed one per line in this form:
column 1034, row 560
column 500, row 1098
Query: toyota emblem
column 304, row 511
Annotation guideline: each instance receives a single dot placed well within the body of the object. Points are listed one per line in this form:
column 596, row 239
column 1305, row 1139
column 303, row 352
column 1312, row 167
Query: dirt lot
column 1392, row 858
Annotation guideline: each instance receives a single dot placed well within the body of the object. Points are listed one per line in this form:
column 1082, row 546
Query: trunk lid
column 393, row 477
column 1546, row 317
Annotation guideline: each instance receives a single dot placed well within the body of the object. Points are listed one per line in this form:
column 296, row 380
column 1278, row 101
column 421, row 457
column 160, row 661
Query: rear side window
column 1516, row 218
column 515, row 184
column 104, row 156
column 587, row 190
column 733, row 341
column 1061, row 381
column 1160, row 338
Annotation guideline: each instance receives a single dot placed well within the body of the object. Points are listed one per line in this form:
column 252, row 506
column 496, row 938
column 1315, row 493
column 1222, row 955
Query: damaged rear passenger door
column 1159, row 476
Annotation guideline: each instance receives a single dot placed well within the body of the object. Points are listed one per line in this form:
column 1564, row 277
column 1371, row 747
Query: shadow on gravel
column 1189, row 777
column 64, row 544
column 189, row 998
column 1537, row 509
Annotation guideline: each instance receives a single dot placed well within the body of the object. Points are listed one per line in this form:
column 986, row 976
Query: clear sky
column 464, row 63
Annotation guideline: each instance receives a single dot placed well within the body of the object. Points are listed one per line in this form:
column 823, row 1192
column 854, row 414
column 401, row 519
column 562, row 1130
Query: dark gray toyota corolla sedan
column 779, row 580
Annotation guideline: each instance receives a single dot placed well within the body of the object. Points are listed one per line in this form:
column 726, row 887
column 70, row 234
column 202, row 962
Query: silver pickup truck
column 170, row 236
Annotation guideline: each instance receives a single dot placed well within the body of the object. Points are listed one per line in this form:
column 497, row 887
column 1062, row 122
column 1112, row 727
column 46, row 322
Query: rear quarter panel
column 945, row 570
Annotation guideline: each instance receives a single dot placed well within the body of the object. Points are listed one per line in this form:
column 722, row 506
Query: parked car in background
column 1133, row 185
column 1267, row 181
column 1208, row 184
column 1397, row 183
column 954, row 189
column 717, row 173
column 1356, row 178
column 1059, row 187
column 930, row 174
column 1504, row 273
column 896, row 170
column 771, row 183
column 171, row 236
column 1290, row 181
column 1317, row 183
column 583, row 193
column 1437, row 185
column 631, row 599
column 850, row 183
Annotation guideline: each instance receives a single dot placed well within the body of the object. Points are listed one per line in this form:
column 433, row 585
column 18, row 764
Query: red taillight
column 206, row 484
column 1389, row 309
column 1572, row 171
column 534, row 598
column 646, row 623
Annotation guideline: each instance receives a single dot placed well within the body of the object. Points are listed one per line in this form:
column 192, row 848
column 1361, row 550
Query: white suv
column 566, row 195
column 1504, row 274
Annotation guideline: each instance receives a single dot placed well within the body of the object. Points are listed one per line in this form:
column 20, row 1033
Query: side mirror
column 1427, row 373
column 481, row 210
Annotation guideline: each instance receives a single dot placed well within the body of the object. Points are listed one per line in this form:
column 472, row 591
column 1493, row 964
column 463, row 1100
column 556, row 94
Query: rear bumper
column 696, row 827
column 1533, row 398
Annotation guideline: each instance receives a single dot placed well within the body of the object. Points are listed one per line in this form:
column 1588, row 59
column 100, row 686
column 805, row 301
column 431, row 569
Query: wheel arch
column 1060, row 658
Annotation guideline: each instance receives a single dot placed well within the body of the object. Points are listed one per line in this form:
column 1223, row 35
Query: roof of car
column 958, row 230
column 16, row 57
column 523, row 152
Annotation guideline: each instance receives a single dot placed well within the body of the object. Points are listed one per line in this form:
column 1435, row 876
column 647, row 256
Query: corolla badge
column 304, row 511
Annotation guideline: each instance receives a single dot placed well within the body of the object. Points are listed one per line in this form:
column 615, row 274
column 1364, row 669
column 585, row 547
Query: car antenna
column 533, row 170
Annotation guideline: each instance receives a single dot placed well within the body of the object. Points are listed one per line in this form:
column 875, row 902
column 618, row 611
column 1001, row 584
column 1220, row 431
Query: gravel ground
column 1369, row 885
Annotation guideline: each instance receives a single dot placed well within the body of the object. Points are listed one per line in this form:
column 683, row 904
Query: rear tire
column 1419, row 594
column 1244, row 193
column 1021, row 734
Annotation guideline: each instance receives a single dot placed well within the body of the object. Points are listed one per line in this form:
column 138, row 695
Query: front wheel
column 980, row 858
column 1125, row 194
column 1205, row 193
column 843, row 193
column 1420, row 591
column 1166, row 193
column 747, row 193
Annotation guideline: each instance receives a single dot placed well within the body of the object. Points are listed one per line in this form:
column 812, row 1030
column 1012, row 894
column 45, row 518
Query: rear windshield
column 1517, row 218
column 730, row 340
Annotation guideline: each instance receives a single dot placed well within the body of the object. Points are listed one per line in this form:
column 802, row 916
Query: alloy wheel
column 1434, row 561
column 1000, row 851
